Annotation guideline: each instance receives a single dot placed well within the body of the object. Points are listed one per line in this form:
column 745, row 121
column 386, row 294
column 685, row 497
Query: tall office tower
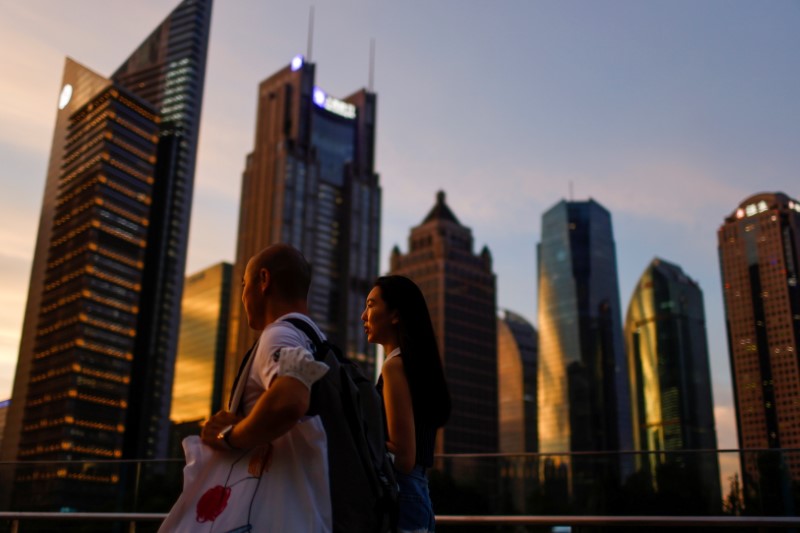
column 672, row 404
column 197, row 392
column 517, row 351
column 164, row 77
column 310, row 182
column 168, row 70
column 584, row 400
column 459, row 288
column 759, row 252
column 79, row 381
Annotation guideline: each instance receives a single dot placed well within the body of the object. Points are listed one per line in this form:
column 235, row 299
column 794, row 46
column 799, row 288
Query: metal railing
column 584, row 521
column 697, row 488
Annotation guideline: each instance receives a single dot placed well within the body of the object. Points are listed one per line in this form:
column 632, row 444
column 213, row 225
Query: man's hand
column 215, row 424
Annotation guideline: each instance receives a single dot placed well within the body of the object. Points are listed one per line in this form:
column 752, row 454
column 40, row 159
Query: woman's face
column 378, row 320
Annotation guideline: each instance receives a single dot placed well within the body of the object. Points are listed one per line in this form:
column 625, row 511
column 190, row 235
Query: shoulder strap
column 305, row 327
column 242, row 366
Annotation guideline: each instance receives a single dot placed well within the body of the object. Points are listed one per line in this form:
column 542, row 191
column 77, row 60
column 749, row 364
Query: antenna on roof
column 570, row 191
column 310, row 33
column 371, row 85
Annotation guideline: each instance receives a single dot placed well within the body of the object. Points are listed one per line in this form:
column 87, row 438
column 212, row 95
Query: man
column 290, row 457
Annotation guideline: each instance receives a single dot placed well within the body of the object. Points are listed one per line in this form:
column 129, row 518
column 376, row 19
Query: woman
column 414, row 392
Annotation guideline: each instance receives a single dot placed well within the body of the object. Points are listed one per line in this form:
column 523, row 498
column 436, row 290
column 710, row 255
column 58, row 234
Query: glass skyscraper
column 584, row 400
column 759, row 253
column 310, row 182
column 517, row 352
column 202, row 343
column 672, row 403
column 94, row 374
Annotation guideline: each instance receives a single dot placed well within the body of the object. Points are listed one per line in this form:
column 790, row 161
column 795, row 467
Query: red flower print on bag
column 212, row 503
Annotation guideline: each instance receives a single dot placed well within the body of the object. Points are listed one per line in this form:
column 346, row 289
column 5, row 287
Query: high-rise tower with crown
column 459, row 287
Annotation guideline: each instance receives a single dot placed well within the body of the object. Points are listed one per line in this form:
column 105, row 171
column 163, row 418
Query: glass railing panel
column 691, row 483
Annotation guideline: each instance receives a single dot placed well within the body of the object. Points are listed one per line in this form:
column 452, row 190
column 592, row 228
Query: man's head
column 275, row 282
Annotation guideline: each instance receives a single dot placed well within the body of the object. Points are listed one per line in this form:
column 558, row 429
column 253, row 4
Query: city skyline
column 668, row 115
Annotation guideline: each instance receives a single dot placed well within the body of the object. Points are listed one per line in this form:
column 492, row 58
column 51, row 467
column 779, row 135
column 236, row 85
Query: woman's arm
column 399, row 415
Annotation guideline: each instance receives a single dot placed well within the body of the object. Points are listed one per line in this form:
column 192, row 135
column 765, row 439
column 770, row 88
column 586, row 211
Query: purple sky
column 667, row 113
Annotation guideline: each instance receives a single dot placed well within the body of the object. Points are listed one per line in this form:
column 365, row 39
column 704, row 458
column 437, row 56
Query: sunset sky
column 668, row 113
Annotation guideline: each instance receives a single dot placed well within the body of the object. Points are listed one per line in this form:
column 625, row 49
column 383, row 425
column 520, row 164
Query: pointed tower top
column 441, row 211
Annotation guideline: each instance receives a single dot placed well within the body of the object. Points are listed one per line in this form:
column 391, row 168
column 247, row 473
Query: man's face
column 253, row 297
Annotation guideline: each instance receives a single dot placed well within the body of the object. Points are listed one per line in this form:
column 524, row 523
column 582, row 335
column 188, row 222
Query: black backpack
column 363, row 486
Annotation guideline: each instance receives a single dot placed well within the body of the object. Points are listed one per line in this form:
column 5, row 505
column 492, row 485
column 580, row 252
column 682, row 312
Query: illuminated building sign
column 333, row 105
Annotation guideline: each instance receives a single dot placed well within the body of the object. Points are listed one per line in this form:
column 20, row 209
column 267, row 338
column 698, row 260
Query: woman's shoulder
column 393, row 366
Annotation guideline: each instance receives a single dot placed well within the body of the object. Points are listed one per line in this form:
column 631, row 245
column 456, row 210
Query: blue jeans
column 415, row 513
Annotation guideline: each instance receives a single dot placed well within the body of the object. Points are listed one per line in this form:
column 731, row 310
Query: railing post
column 15, row 526
column 132, row 527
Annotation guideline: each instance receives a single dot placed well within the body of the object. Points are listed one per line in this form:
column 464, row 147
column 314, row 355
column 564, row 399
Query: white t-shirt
column 300, row 457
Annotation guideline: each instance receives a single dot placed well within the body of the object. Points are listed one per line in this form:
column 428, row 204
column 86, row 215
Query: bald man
column 273, row 393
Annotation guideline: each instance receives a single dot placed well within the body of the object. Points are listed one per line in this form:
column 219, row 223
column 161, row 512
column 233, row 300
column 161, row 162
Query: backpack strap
column 305, row 327
column 320, row 349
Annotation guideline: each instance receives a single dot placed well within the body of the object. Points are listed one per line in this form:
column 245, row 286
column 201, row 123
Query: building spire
column 310, row 33
column 371, row 85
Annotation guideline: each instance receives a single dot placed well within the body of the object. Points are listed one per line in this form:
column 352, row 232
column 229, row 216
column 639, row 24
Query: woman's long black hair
column 423, row 366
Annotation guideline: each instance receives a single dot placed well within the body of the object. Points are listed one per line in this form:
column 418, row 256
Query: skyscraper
column 79, row 380
column 459, row 288
column 672, row 404
column 202, row 344
column 101, row 318
column 168, row 70
column 197, row 391
column 584, row 401
column 759, row 253
column 517, row 351
column 310, row 182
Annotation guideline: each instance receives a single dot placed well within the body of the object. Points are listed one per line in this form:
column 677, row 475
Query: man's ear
column 395, row 317
column 263, row 279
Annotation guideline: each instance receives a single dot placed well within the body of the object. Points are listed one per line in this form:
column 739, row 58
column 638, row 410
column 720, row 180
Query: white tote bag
column 265, row 489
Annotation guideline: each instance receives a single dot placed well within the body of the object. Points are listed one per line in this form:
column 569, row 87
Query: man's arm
column 276, row 411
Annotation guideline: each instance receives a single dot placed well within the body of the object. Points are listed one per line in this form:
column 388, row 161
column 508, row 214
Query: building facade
column 517, row 353
column 202, row 344
column 197, row 390
column 459, row 288
column 168, row 70
column 125, row 147
column 668, row 364
column 759, row 253
column 79, row 383
column 583, row 394
column 310, row 182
